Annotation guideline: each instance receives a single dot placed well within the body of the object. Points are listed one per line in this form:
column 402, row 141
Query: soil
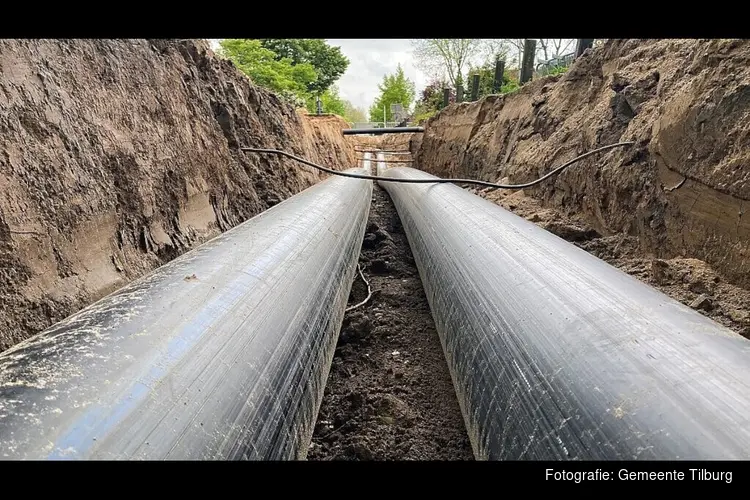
column 389, row 394
column 669, row 209
column 682, row 190
column 116, row 156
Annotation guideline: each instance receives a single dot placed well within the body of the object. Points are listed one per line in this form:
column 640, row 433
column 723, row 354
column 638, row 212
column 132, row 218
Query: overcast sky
column 369, row 61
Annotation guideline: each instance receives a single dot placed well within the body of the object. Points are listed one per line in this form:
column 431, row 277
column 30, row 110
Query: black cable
column 439, row 181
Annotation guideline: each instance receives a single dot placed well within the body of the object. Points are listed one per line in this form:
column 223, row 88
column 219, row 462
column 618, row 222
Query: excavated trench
column 389, row 394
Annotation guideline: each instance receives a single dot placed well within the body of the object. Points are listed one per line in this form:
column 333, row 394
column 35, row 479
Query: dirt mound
column 118, row 155
column 681, row 191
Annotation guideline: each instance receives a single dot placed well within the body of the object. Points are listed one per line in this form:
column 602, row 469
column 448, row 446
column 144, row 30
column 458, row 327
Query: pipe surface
column 367, row 163
column 557, row 355
column 382, row 130
column 222, row 353
column 389, row 151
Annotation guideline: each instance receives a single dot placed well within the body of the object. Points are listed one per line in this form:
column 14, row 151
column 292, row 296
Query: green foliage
column 331, row 101
column 431, row 100
column 487, row 80
column 266, row 69
column 510, row 87
column 423, row 116
column 328, row 61
column 395, row 89
column 558, row 70
column 353, row 114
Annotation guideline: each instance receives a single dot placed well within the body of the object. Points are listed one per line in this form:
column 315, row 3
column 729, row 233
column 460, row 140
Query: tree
column 395, row 89
column 548, row 48
column 330, row 100
column 493, row 49
column 353, row 114
column 267, row 70
column 516, row 51
column 552, row 48
column 431, row 100
column 486, row 74
column 328, row 61
column 448, row 57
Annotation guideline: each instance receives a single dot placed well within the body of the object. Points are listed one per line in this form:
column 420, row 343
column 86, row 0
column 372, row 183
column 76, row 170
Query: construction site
column 180, row 279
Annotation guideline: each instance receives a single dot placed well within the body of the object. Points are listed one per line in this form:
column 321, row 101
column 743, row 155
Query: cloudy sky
column 370, row 60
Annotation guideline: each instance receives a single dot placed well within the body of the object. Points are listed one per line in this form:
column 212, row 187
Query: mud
column 117, row 156
column 389, row 395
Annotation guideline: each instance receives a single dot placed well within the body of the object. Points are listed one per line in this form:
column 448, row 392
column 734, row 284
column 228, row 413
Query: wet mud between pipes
column 389, row 395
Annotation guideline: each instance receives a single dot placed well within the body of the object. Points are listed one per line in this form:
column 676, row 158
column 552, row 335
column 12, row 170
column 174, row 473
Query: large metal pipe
column 383, row 130
column 221, row 354
column 557, row 355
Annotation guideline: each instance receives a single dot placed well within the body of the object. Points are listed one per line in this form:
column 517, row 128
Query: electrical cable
column 439, row 181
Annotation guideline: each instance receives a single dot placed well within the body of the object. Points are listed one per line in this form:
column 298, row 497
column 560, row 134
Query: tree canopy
column 431, row 100
column 450, row 57
column 330, row 100
column 395, row 89
column 354, row 114
column 267, row 69
column 328, row 61
column 298, row 70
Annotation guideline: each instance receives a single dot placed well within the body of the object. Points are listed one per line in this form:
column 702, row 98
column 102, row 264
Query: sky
column 369, row 61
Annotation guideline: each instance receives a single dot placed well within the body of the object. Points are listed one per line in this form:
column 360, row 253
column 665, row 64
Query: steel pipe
column 555, row 354
column 221, row 354
column 383, row 130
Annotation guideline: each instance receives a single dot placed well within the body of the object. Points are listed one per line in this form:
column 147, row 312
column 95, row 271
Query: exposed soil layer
column 681, row 191
column 389, row 394
column 117, row 156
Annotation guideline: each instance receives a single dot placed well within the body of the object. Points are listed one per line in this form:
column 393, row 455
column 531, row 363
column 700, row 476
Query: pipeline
column 220, row 354
column 555, row 354
column 389, row 151
column 394, row 161
column 367, row 163
column 382, row 130
column 433, row 180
